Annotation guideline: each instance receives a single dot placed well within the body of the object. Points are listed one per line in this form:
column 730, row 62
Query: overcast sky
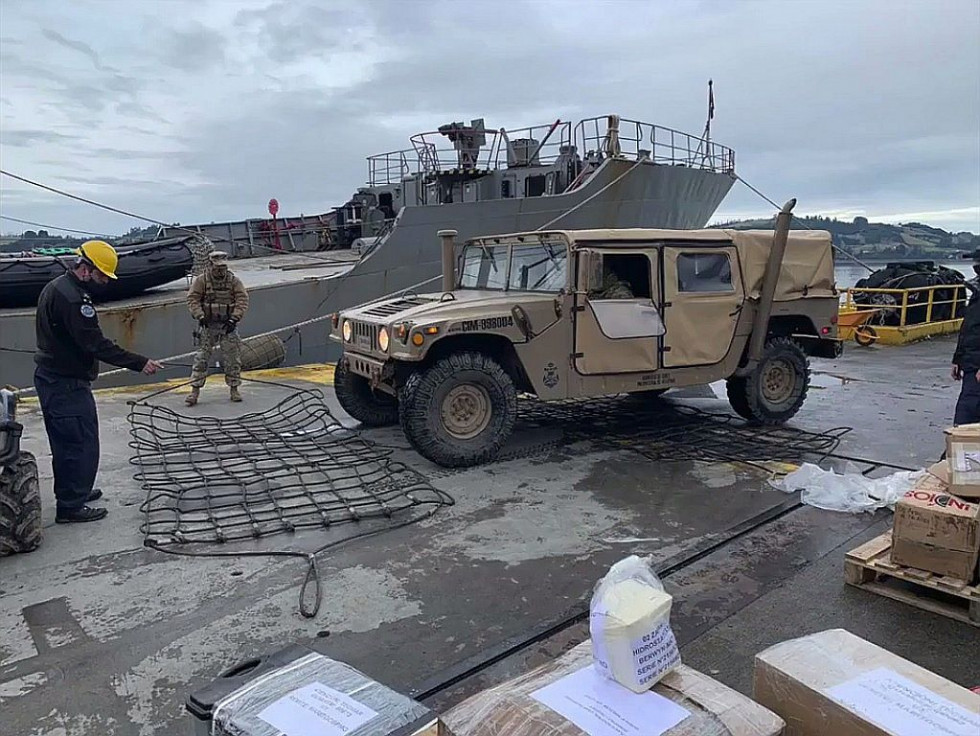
column 201, row 110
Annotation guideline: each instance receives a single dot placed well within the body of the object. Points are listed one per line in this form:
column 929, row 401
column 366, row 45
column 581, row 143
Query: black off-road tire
column 477, row 382
column 371, row 408
column 735, row 387
column 774, row 392
column 20, row 506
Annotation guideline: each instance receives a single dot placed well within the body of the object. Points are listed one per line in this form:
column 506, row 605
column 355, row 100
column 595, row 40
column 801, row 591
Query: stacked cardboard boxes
column 937, row 523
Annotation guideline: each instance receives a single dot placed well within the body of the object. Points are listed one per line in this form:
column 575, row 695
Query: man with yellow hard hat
column 70, row 345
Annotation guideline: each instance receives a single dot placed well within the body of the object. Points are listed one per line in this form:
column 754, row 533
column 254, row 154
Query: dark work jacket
column 967, row 355
column 70, row 342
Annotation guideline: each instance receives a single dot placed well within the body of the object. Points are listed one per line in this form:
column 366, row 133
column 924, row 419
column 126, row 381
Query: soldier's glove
column 230, row 326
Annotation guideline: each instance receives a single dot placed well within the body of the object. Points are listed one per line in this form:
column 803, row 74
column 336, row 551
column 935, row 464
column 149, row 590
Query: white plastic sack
column 629, row 620
column 849, row 491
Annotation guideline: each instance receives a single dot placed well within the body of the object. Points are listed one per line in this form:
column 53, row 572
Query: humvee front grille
column 386, row 310
column 366, row 335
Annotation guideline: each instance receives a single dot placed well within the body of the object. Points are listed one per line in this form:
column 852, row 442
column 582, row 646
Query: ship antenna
column 705, row 143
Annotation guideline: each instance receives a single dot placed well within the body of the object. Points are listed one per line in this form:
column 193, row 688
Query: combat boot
column 192, row 397
column 234, row 395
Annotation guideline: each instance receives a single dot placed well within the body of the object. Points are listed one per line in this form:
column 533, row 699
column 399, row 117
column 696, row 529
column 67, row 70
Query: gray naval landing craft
column 603, row 172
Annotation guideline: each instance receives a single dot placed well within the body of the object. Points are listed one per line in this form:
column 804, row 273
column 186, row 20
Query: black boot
column 95, row 495
column 85, row 513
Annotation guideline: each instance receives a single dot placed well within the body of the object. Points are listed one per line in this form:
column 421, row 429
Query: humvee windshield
column 531, row 267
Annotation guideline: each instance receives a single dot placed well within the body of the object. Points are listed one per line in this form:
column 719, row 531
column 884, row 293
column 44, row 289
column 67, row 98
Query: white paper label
column 903, row 707
column 316, row 709
column 966, row 461
column 602, row 707
column 655, row 654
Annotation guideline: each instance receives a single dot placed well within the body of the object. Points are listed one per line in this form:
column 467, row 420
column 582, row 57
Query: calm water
column 848, row 272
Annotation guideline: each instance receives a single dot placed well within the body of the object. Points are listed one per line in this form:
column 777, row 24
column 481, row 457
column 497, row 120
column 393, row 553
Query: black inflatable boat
column 913, row 275
column 141, row 267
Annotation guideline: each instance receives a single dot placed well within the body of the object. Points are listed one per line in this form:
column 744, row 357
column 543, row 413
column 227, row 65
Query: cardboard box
column 963, row 460
column 297, row 690
column 936, row 531
column 834, row 683
column 509, row 709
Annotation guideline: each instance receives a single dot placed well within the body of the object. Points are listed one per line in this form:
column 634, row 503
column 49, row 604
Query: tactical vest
column 219, row 297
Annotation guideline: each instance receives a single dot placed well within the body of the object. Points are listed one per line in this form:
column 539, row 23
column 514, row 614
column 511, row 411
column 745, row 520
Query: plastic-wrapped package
column 834, row 682
column 510, row 709
column 317, row 695
column 629, row 621
column 850, row 491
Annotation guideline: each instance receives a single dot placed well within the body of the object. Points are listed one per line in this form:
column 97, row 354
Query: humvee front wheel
column 460, row 410
column 774, row 392
column 355, row 395
column 20, row 506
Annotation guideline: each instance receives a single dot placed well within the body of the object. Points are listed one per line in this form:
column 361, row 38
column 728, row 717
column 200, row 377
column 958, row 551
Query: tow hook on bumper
column 378, row 373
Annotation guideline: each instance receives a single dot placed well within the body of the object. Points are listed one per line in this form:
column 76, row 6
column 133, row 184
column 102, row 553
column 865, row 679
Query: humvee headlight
column 383, row 339
column 348, row 331
column 401, row 331
column 417, row 339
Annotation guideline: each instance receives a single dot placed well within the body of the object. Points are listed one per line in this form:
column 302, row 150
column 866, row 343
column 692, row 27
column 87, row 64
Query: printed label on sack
column 655, row 654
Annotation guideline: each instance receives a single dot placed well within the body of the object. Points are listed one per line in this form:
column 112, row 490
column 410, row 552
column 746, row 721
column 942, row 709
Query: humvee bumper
column 821, row 347
column 376, row 371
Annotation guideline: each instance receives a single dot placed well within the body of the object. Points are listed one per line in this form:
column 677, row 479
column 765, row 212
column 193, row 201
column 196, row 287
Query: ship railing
column 536, row 145
column 904, row 301
column 392, row 167
column 664, row 146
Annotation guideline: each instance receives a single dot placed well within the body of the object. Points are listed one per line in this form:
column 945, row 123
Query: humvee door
column 703, row 297
column 617, row 323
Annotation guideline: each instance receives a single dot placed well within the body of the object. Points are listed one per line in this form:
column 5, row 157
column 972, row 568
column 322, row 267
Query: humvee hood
column 431, row 307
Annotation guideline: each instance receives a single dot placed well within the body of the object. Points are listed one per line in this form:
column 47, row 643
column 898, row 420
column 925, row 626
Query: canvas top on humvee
column 568, row 314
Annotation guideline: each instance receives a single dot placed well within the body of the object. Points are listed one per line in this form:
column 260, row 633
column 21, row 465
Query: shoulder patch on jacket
column 88, row 311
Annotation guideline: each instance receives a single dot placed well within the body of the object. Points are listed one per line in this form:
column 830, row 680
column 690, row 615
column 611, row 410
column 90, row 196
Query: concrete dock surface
column 99, row 634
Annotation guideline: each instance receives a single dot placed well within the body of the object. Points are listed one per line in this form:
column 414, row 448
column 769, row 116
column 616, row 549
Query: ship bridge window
column 534, row 186
column 704, row 272
column 484, row 267
column 539, row 267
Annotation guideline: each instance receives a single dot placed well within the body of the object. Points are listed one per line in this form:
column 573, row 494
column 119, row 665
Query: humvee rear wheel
column 460, row 410
column 20, row 506
column 774, row 392
column 356, row 397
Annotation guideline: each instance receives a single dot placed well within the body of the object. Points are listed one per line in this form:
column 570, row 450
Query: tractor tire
column 355, row 395
column 459, row 411
column 774, row 392
column 20, row 506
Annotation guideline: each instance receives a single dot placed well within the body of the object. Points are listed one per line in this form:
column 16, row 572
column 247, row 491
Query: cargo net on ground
column 665, row 431
column 286, row 469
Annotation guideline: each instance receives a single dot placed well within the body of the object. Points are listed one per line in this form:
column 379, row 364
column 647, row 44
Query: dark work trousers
column 72, row 423
column 968, row 405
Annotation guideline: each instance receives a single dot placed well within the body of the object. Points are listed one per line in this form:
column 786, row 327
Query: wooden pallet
column 870, row 567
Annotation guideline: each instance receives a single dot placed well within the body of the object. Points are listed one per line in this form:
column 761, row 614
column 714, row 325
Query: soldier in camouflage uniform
column 218, row 301
column 612, row 287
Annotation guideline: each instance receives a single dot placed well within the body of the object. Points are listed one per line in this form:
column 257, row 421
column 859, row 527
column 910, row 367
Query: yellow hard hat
column 101, row 255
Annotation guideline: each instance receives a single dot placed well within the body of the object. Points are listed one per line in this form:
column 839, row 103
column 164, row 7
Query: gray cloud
column 194, row 50
column 290, row 31
column 19, row 138
column 79, row 46
column 871, row 106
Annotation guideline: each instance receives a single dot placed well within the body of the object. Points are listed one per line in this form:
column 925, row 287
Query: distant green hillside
column 877, row 239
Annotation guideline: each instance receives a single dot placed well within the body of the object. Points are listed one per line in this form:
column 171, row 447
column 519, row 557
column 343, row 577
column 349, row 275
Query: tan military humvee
column 570, row 314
